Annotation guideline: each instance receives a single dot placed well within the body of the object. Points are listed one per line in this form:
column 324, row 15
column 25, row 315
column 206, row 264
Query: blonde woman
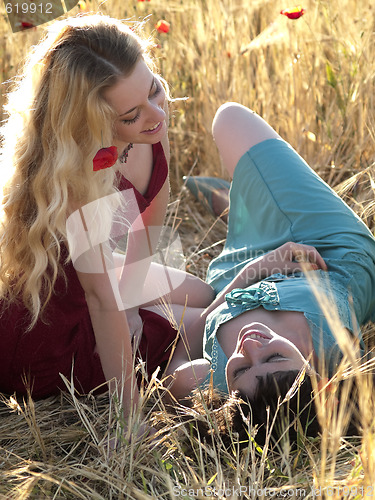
column 87, row 123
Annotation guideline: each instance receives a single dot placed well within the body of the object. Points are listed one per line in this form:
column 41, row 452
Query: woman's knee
column 234, row 119
column 226, row 116
column 236, row 129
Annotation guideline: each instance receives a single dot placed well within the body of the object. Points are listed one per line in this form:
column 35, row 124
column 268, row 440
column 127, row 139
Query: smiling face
column 259, row 351
column 138, row 100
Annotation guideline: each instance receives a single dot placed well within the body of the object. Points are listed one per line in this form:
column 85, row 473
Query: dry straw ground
column 313, row 79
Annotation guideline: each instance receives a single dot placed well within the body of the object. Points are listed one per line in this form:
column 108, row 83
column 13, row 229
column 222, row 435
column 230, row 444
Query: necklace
column 123, row 158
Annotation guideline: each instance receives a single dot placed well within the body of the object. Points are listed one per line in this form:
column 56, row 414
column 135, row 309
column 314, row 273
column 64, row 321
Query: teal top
column 276, row 197
column 284, row 293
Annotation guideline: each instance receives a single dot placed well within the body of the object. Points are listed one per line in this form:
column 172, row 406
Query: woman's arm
column 288, row 258
column 112, row 334
column 187, row 377
column 144, row 282
column 187, row 368
column 142, row 240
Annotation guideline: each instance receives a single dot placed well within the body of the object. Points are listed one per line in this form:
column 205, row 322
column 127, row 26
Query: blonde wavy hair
column 57, row 121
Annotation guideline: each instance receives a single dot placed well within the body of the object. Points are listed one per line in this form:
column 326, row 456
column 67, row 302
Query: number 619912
column 28, row 8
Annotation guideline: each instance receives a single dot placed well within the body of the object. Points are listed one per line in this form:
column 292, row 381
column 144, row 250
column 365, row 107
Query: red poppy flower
column 293, row 13
column 163, row 26
column 25, row 25
column 105, row 158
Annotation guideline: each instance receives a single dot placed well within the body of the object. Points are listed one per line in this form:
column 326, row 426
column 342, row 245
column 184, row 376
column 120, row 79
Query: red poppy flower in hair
column 105, row 158
column 293, row 13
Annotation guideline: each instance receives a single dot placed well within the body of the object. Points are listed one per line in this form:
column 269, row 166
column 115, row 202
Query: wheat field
column 313, row 80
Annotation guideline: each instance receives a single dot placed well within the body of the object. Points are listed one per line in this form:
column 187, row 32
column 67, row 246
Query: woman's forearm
column 112, row 335
column 115, row 351
column 288, row 258
column 143, row 237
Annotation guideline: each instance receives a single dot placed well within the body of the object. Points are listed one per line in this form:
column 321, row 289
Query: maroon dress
column 64, row 342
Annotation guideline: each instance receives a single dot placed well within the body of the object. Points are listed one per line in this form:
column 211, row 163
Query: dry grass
column 313, row 80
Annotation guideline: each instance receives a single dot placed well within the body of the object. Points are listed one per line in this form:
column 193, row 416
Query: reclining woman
column 290, row 240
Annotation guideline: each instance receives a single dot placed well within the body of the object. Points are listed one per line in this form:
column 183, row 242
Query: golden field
column 313, row 80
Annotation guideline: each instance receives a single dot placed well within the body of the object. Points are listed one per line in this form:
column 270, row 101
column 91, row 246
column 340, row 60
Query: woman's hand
column 289, row 258
column 135, row 324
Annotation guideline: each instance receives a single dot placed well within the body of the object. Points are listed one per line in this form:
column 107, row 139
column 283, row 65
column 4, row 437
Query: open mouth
column 152, row 129
column 252, row 334
column 256, row 335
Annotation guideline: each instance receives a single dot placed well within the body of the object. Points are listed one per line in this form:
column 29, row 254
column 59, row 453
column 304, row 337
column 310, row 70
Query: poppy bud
column 163, row 26
column 25, row 25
